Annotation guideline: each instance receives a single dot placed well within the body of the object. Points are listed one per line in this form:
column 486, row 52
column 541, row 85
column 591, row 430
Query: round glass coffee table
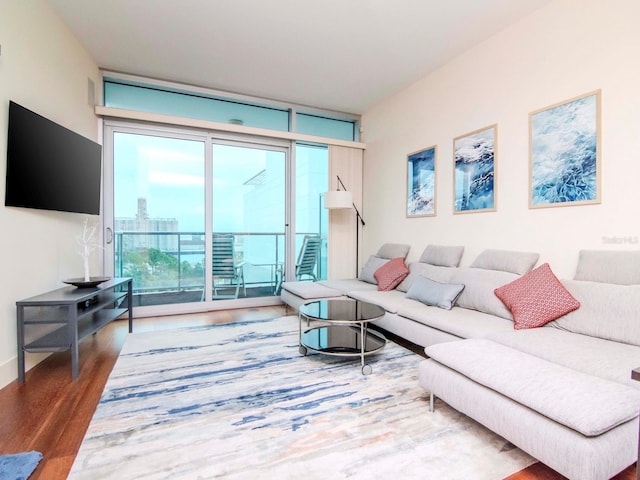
column 343, row 331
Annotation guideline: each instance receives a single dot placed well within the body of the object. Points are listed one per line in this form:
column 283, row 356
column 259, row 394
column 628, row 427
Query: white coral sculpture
column 88, row 243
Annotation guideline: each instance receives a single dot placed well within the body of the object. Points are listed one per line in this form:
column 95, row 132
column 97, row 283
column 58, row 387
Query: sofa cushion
column 345, row 285
column 582, row 402
column 609, row 266
column 373, row 263
column 460, row 322
column 442, row 255
column 390, row 300
column 606, row 311
column 595, row 356
column 506, row 260
column 434, row 272
column 391, row 274
column 430, row 292
column 536, row 298
column 479, row 286
column 310, row 290
column 393, row 250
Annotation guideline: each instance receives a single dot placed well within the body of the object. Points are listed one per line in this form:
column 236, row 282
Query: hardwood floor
column 50, row 413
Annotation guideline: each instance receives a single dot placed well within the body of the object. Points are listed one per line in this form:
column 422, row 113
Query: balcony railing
column 165, row 262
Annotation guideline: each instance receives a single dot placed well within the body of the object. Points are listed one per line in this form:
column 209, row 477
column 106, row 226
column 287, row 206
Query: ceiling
column 343, row 55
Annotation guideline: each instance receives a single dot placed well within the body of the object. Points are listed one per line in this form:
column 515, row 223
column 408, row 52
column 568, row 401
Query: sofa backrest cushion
column 430, row 292
column 393, row 250
column 608, row 266
column 479, row 285
column 442, row 255
column 434, row 272
column 606, row 311
column 373, row 264
column 506, row 260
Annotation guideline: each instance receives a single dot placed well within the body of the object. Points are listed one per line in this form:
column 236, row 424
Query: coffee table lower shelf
column 343, row 341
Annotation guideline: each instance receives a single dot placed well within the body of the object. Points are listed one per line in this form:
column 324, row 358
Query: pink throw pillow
column 391, row 274
column 536, row 298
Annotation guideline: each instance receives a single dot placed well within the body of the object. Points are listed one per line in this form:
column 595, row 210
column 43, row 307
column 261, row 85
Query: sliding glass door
column 195, row 217
column 155, row 210
column 311, row 220
column 248, row 219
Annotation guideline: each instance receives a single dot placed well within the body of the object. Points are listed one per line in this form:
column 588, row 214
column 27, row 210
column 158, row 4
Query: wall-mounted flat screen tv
column 50, row 167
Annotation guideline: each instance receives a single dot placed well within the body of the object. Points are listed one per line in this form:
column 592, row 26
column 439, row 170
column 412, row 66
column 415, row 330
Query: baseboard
column 9, row 369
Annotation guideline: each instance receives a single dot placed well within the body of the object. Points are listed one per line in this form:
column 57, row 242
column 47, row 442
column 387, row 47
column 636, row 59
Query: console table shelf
column 77, row 313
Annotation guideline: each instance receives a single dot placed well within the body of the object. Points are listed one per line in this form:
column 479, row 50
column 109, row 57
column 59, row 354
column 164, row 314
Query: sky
column 170, row 174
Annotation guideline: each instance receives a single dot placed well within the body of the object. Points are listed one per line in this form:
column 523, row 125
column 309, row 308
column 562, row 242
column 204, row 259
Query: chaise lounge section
column 562, row 392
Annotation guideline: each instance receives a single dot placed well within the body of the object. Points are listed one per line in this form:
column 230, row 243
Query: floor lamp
column 342, row 199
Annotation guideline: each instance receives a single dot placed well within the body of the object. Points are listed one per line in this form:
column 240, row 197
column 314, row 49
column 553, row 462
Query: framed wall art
column 475, row 171
column 421, row 183
column 564, row 154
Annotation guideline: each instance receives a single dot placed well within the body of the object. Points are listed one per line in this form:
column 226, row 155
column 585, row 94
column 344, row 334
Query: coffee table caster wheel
column 367, row 369
column 303, row 350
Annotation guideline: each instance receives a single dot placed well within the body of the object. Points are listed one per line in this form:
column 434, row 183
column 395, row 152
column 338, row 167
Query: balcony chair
column 307, row 261
column 308, row 257
column 226, row 266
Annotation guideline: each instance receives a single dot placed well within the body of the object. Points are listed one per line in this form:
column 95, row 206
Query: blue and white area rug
column 238, row 401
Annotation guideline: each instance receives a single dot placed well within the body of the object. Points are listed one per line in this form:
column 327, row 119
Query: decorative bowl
column 81, row 283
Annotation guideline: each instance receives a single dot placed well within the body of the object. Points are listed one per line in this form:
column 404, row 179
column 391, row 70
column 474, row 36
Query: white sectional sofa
column 561, row 392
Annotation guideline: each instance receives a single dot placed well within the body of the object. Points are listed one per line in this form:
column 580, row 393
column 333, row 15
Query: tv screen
column 50, row 167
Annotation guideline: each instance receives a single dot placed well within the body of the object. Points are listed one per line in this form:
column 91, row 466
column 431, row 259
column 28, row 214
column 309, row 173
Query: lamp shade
column 338, row 199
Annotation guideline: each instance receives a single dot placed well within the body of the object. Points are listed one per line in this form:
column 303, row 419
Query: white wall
column 566, row 49
column 346, row 163
column 44, row 68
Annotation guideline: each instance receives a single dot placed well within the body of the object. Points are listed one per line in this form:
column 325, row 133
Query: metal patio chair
column 308, row 257
column 226, row 267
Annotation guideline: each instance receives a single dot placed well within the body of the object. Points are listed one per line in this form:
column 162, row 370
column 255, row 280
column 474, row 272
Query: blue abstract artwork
column 564, row 153
column 421, row 183
column 474, row 155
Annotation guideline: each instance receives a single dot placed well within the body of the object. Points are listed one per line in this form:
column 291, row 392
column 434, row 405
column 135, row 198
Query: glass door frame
column 259, row 143
column 209, row 138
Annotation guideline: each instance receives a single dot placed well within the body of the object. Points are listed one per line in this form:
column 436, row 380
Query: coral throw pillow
column 536, row 298
column 391, row 274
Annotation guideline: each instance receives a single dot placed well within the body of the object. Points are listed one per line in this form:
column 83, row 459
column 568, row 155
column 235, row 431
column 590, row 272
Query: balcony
column 169, row 267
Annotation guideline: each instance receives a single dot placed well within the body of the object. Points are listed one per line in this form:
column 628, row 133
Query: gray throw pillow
column 373, row 264
column 430, row 292
column 434, row 272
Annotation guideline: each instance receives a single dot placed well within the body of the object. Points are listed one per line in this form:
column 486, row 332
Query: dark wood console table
column 56, row 321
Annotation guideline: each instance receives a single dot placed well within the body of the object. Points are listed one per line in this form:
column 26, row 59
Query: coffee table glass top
column 347, row 311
